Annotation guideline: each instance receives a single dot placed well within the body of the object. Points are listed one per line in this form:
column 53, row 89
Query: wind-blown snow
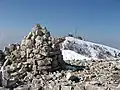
column 87, row 49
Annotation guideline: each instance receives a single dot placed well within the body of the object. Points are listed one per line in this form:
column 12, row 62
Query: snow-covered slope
column 71, row 55
column 73, row 48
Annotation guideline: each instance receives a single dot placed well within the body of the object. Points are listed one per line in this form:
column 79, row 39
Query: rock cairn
column 37, row 54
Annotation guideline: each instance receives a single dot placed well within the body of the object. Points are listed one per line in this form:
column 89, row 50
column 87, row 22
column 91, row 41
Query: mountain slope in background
column 86, row 50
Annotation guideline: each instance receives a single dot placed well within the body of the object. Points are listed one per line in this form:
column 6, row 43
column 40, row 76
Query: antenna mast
column 75, row 32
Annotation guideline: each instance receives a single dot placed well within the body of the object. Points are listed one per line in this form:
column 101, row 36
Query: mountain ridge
column 89, row 49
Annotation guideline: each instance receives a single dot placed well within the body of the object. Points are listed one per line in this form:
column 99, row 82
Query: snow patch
column 71, row 55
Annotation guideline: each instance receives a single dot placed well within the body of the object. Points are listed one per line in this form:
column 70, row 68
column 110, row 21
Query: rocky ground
column 37, row 64
column 98, row 75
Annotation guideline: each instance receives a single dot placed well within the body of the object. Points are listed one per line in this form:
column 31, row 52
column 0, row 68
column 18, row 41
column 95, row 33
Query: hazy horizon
column 95, row 20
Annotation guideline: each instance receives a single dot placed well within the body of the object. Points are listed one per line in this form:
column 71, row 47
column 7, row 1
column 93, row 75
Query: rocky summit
column 36, row 63
column 38, row 53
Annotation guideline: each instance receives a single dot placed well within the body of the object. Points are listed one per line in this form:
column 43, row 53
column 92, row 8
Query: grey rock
column 31, row 55
column 28, row 43
column 44, row 31
column 39, row 32
column 2, row 88
column 28, row 51
column 2, row 58
column 74, row 78
column 57, row 87
column 38, row 43
column 59, row 75
column 95, row 83
column 23, row 54
column 79, row 87
column 118, row 66
column 66, row 87
column 24, row 87
column 19, row 65
column 36, row 27
column 29, row 35
column 35, row 51
column 34, row 68
column 5, row 75
column 90, row 87
column 11, row 47
column 6, row 50
column 0, row 78
column 48, row 88
column 14, row 74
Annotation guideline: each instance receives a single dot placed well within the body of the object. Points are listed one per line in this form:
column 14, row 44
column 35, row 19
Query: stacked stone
column 2, row 58
column 37, row 54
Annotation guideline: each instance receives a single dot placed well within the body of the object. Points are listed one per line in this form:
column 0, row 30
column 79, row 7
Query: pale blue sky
column 96, row 20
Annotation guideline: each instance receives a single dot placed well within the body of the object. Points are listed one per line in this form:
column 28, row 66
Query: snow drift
column 71, row 55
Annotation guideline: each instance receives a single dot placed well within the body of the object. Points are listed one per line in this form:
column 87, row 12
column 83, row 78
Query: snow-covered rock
column 73, row 48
